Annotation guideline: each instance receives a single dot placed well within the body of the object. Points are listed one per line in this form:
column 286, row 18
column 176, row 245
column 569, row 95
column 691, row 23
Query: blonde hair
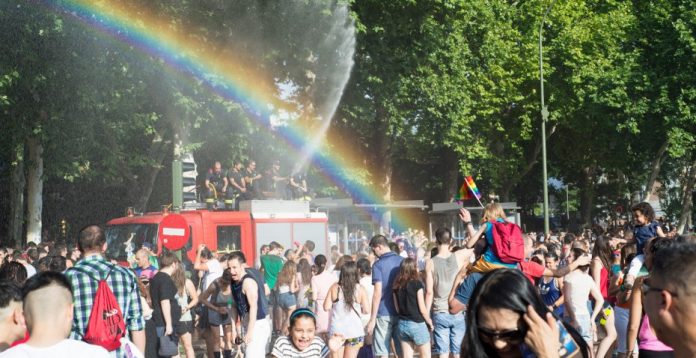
column 493, row 212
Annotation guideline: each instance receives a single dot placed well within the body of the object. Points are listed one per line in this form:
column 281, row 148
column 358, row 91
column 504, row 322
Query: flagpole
column 479, row 201
column 470, row 185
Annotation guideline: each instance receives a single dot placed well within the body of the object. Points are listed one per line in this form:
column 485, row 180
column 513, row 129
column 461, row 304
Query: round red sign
column 173, row 232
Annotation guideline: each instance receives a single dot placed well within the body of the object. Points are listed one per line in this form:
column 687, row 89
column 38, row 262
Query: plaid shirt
column 123, row 284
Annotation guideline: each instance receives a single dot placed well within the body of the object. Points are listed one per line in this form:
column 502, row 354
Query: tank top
column 345, row 319
column 240, row 299
column 647, row 339
column 445, row 270
column 604, row 285
column 222, row 299
column 550, row 294
column 182, row 299
column 643, row 233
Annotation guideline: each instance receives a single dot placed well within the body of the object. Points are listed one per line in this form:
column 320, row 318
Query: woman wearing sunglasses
column 506, row 317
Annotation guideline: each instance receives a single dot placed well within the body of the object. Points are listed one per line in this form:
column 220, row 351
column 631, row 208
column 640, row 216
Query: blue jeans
column 448, row 332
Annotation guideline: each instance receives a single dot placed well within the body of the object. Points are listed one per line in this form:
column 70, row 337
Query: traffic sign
column 173, row 232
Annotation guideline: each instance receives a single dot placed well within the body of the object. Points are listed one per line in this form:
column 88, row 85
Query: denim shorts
column 287, row 300
column 585, row 328
column 416, row 332
column 448, row 332
column 386, row 329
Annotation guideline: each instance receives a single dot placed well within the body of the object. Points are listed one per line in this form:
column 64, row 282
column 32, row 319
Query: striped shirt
column 283, row 348
column 123, row 284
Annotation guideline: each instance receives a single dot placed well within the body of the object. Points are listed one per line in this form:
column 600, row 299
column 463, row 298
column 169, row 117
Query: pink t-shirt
column 647, row 339
column 320, row 286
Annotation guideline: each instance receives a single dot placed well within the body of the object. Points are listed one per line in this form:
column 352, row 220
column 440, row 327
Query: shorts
column 184, row 327
column 287, row 300
column 416, row 332
column 354, row 342
column 483, row 266
column 585, row 328
column 386, row 329
column 448, row 332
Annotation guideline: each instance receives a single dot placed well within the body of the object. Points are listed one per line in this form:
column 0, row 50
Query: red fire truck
column 257, row 223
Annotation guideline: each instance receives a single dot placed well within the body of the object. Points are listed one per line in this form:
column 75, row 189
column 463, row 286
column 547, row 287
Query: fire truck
column 257, row 223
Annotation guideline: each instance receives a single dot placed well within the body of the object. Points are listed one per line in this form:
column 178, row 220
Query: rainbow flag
column 469, row 181
column 463, row 193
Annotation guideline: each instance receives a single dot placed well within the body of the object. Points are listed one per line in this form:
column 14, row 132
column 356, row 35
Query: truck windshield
column 124, row 240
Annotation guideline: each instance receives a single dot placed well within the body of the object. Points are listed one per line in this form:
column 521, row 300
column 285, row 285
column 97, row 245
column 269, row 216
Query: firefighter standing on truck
column 236, row 186
column 215, row 184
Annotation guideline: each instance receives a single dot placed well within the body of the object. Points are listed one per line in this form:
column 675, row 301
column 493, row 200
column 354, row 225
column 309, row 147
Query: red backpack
column 106, row 326
column 508, row 243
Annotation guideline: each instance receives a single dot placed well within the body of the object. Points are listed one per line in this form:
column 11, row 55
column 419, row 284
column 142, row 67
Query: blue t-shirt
column 466, row 288
column 385, row 271
column 489, row 255
column 643, row 233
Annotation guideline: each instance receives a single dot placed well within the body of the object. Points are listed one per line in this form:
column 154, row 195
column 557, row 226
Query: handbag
column 168, row 346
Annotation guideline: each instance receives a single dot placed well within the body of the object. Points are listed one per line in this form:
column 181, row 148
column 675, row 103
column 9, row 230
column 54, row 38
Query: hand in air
column 464, row 215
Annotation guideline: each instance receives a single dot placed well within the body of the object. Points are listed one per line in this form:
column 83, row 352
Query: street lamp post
column 544, row 118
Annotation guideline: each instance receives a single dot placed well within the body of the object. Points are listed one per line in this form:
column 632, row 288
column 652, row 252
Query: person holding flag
column 493, row 213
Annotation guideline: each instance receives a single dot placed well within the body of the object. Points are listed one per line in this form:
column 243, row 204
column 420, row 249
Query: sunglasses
column 647, row 288
column 513, row 336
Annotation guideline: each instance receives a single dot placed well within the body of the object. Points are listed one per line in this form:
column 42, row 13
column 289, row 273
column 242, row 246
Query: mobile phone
column 568, row 348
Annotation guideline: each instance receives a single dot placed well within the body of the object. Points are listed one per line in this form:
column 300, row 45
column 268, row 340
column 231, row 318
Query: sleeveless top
column 444, row 273
column 647, row 339
column 643, row 233
column 241, row 301
column 550, row 294
column 182, row 299
column 345, row 319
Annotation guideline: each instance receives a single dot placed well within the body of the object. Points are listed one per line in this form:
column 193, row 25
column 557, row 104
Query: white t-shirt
column 580, row 284
column 67, row 348
column 214, row 272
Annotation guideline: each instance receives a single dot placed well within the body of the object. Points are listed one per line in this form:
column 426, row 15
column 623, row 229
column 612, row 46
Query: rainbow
column 223, row 73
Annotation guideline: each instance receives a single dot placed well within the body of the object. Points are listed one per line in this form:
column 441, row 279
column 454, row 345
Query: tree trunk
column 451, row 173
column 587, row 188
column 17, row 186
column 140, row 194
column 383, row 156
column 687, row 199
column 34, row 189
column 654, row 171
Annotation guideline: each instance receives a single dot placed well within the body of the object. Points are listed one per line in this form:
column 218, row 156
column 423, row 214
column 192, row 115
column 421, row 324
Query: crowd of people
column 625, row 291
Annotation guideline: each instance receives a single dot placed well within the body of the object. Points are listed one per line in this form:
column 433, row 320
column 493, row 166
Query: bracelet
column 467, row 223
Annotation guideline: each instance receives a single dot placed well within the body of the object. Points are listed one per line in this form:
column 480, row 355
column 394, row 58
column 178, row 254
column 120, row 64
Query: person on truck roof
column 215, row 184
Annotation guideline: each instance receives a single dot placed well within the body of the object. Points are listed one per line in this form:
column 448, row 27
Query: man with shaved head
column 48, row 311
